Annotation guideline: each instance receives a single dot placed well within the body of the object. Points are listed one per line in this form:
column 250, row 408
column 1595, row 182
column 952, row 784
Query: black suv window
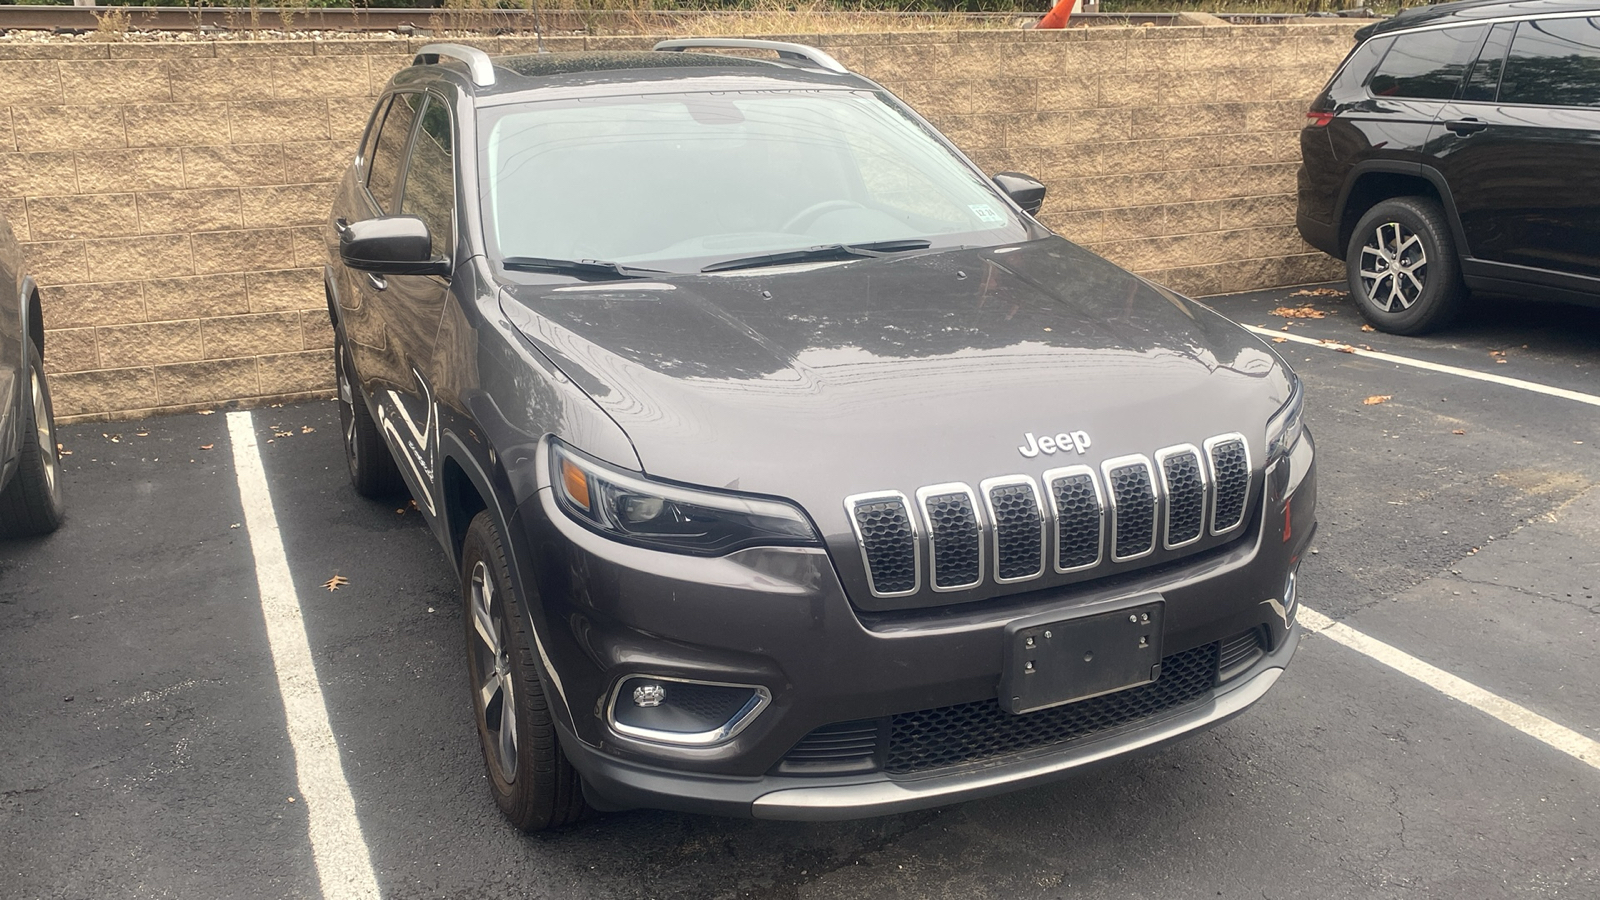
column 390, row 151
column 1346, row 85
column 1427, row 65
column 1483, row 82
column 430, row 192
column 1555, row 62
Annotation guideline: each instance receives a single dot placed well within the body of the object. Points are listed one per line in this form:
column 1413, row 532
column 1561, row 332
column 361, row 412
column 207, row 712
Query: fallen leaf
column 61, row 450
column 1345, row 348
column 307, row 429
column 1458, row 431
column 1501, row 361
column 1279, row 340
column 206, row 412
column 1299, row 312
column 1318, row 292
column 1368, row 328
column 1375, row 399
column 207, row 446
column 336, row 582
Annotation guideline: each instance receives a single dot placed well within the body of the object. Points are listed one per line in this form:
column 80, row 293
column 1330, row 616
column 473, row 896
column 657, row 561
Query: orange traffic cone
column 1057, row 16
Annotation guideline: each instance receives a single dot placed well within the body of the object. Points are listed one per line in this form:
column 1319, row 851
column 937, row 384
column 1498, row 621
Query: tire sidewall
column 1441, row 287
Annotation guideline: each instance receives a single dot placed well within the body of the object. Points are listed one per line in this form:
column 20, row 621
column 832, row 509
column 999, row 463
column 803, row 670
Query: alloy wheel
column 494, row 689
column 46, row 433
column 347, row 411
column 1393, row 267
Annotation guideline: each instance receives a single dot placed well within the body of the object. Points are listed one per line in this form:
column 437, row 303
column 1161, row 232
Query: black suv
column 30, row 482
column 1456, row 148
column 790, row 468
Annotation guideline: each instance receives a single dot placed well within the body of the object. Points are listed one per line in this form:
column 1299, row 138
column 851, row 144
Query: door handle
column 1464, row 127
column 378, row 282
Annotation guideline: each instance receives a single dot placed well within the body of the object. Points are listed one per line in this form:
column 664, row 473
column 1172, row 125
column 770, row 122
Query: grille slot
column 1240, row 652
column 1183, row 480
column 1018, row 519
column 950, row 735
column 1079, row 512
column 835, row 749
column 1133, row 507
column 1230, row 472
column 955, row 540
column 888, row 539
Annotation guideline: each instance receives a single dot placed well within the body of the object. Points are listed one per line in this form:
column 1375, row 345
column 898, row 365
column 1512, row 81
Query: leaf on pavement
column 1318, row 292
column 336, row 582
column 1299, row 312
column 1375, row 399
column 1368, row 328
column 1279, row 340
column 306, row 429
column 207, row 446
column 1459, row 431
column 206, row 412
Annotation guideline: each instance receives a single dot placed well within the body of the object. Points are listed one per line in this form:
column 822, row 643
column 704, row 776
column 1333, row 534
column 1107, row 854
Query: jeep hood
column 814, row 382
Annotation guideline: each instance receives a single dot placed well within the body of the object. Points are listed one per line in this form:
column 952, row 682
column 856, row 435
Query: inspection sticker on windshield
column 985, row 213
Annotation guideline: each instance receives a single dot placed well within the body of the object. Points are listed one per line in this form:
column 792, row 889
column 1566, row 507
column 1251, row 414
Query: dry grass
column 825, row 18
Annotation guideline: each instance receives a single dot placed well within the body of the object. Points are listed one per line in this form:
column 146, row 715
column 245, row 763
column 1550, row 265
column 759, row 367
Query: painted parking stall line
column 1552, row 734
column 1518, row 383
column 344, row 865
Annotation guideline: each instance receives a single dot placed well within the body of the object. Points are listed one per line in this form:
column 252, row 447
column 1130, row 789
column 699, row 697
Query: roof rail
column 477, row 61
column 797, row 53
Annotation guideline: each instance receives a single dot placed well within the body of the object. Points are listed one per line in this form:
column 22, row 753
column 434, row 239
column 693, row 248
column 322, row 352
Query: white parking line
column 1342, row 347
column 344, row 866
column 1530, row 723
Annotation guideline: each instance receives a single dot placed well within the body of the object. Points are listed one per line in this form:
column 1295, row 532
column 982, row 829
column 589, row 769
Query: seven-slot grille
column 1010, row 529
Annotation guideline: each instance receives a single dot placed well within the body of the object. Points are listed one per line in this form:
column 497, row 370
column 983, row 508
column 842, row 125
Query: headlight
column 632, row 509
column 1287, row 424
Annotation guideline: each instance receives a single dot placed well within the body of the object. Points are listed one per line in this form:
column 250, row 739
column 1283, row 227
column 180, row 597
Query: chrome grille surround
column 1126, row 514
column 1224, row 476
column 938, row 536
column 853, row 505
column 1175, row 503
column 1065, row 521
column 1000, row 525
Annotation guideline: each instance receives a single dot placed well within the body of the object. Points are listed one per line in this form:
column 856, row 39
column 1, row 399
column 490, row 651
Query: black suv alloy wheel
column 1402, row 267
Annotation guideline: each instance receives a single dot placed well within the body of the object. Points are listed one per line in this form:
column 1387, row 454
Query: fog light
column 680, row 711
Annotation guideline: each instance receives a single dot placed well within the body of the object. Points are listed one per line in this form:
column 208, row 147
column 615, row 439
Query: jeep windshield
column 682, row 182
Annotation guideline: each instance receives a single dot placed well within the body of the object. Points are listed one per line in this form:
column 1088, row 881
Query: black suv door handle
column 1464, row 127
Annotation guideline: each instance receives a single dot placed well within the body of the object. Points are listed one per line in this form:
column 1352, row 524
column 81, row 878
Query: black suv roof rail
column 478, row 64
column 798, row 53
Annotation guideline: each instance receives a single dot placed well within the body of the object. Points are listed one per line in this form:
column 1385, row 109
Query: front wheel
column 533, row 783
column 1402, row 267
column 32, row 503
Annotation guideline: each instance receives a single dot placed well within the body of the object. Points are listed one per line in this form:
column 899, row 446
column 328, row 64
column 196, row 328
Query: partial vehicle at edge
column 30, row 480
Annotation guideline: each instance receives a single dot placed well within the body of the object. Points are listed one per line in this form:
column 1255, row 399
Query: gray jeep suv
column 30, row 483
column 790, row 467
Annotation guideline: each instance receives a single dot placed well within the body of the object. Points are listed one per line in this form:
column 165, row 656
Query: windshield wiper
column 590, row 267
column 824, row 252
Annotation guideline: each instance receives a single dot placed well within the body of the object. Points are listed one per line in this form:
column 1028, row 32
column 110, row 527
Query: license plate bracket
column 1053, row 661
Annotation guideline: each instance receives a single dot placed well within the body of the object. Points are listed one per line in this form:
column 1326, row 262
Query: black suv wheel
column 1402, row 267
column 32, row 503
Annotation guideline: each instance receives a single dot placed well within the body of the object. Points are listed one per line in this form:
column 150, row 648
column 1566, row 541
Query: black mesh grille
column 1230, row 465
column 1239, row 651
column 953, row 530
column 933, row 738
column 1078, row 522
column 1186, row 497
column 1133, row 509
column 1018, row 535
column 890, row 545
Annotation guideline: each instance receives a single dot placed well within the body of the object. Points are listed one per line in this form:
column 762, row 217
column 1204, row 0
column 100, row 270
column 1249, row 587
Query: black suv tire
column 373, row 472
column 533, row 783
column 1414, row 283
column 32, row 503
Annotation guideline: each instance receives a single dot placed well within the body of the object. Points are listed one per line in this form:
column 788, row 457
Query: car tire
column 1402, row 267
column 373, row 472
column 32, row 503
column 533, row 783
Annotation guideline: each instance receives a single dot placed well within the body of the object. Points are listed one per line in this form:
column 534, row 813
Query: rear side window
column 1346, row 86
column 1555, row 62
column 389, row 153
column 430, row 193
column 1484, row 80
column 1427, row 65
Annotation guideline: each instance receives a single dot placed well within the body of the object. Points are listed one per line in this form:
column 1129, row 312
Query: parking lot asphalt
column 144, row 748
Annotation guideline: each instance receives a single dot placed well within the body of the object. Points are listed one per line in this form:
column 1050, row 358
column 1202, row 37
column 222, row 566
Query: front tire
column 533, row 783
column 373, row 472
column 1403, row 269
column 32, row 503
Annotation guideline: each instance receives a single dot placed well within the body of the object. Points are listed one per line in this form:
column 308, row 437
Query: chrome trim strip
column 1249, row 479
column 850, row 504
column 786, row 51
column 984, row 487
column 885, row 797
column 746, row 714
column 1162, row 456
column 934, row 490
column 1049, row 478
column 1111, row 498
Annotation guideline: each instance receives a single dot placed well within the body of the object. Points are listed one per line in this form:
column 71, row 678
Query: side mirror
column 391, row 245
column 1024, row 189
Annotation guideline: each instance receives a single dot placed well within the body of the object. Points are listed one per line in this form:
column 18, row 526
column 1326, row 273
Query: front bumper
column 623, row 784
